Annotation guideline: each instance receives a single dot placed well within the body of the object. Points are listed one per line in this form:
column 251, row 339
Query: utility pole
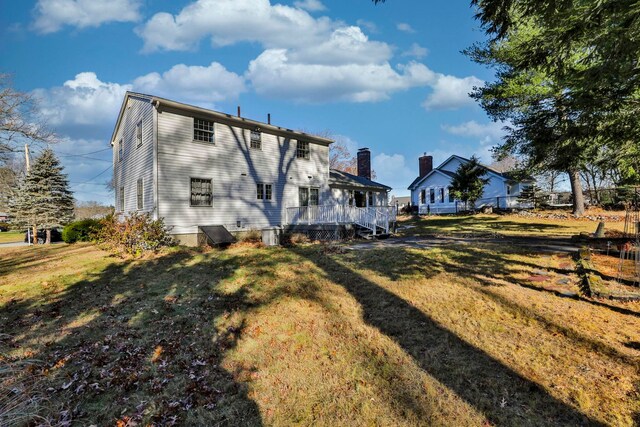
column 26, row 157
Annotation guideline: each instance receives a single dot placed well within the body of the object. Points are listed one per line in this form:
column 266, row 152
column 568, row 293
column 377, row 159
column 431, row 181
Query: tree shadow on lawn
column 472, row 374
column 477, row 224
column 138, row 340
column 490, row 266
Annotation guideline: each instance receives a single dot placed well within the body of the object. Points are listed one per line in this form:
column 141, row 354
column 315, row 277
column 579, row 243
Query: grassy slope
column 11, row 236
column 448, row 336
column 502, row 224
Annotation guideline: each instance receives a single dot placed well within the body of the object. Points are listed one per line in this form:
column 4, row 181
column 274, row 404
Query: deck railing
column 373, row 217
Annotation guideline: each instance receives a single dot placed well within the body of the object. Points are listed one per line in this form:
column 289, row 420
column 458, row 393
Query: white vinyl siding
column 235, row 170
column 131, row 162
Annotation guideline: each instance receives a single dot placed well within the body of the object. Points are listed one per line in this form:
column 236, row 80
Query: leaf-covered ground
column 323, row 335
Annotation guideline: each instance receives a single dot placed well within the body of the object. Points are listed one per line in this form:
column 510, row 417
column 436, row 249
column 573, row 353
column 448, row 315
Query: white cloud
column 371, row 27
column 488, row 132
column 231, row 21
column 310, row 5
column 81, row 102
column 346, row 45
column 392, row 170
column 80, row 106
column 404, row 27
column 194, row 83
column 416, row 51
column 450, row 92
column 274, row 75
column 52, row 15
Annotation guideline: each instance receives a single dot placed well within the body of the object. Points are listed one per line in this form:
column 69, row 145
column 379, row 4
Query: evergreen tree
column 468, row 183
column 43, row 198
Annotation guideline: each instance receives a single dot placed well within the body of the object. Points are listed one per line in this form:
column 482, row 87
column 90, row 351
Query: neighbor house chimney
column 364, row 163
column 426, row 164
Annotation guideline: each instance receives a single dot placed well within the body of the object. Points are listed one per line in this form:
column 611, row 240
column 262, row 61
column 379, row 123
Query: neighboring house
column 196, row 167
column 4, row 216
column 430, row 190
column 401, row 202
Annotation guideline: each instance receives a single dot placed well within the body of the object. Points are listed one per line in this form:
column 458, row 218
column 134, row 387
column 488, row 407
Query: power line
column 89, row 180
column 83, row 154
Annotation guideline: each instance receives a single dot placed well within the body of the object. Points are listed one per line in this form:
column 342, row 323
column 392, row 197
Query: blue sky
column 389, row 77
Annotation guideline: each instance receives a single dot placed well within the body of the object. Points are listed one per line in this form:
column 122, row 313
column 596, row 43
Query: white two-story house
column 196, row 167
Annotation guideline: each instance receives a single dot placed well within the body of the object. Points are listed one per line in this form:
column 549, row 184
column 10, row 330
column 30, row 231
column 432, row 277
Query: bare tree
column 20, row 121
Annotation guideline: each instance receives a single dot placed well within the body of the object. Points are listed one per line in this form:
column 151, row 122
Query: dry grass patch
column 488, row 224
column 305, row 335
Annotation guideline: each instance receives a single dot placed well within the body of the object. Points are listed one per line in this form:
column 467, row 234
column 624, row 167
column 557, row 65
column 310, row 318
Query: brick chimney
column 426, row 164
column 364, row 163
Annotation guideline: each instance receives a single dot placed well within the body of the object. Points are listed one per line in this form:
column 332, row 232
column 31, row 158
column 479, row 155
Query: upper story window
column 139, row 133
column 120, row 150
column 302, row 150
column 256, row 139
column 201, row 192
column 264, row 191
column 203, row 130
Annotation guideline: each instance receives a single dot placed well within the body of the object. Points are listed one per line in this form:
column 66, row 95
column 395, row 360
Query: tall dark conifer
column 43, row 199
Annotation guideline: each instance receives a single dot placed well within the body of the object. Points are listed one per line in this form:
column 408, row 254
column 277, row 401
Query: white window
column 256, row 139
column 432, row 195
column 121, row 199
column 302, row 150
column 201, row 192
column 509, row 189
column 120, row 150
column 139, row 134
column 442, row 195
column 309, row 196
column 203, row 130
column 264, row 191
column 140, row 194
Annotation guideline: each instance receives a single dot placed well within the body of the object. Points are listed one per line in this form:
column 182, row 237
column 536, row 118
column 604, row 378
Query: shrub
column 250, row 236
column 84, row 230
column 135, row 234
column 293, row 239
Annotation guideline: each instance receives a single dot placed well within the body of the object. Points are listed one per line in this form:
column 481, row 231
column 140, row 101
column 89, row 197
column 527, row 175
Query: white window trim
column 190, row 192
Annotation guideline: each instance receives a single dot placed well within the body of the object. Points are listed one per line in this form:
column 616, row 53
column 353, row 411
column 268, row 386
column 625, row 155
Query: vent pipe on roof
column 238, row 111
column 269, row 118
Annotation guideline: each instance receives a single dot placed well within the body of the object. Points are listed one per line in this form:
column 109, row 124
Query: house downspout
column 156, row 205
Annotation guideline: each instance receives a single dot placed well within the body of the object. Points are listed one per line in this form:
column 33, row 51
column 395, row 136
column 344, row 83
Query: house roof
column 507, row 176
column 344, row 179
column 159, row 103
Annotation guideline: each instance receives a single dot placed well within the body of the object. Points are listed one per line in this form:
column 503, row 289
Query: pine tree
column 468, row 183
column 43, row 198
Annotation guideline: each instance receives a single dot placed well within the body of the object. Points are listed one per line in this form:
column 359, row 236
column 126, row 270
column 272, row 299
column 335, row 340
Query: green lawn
column 314, row 334
column 11, row 236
